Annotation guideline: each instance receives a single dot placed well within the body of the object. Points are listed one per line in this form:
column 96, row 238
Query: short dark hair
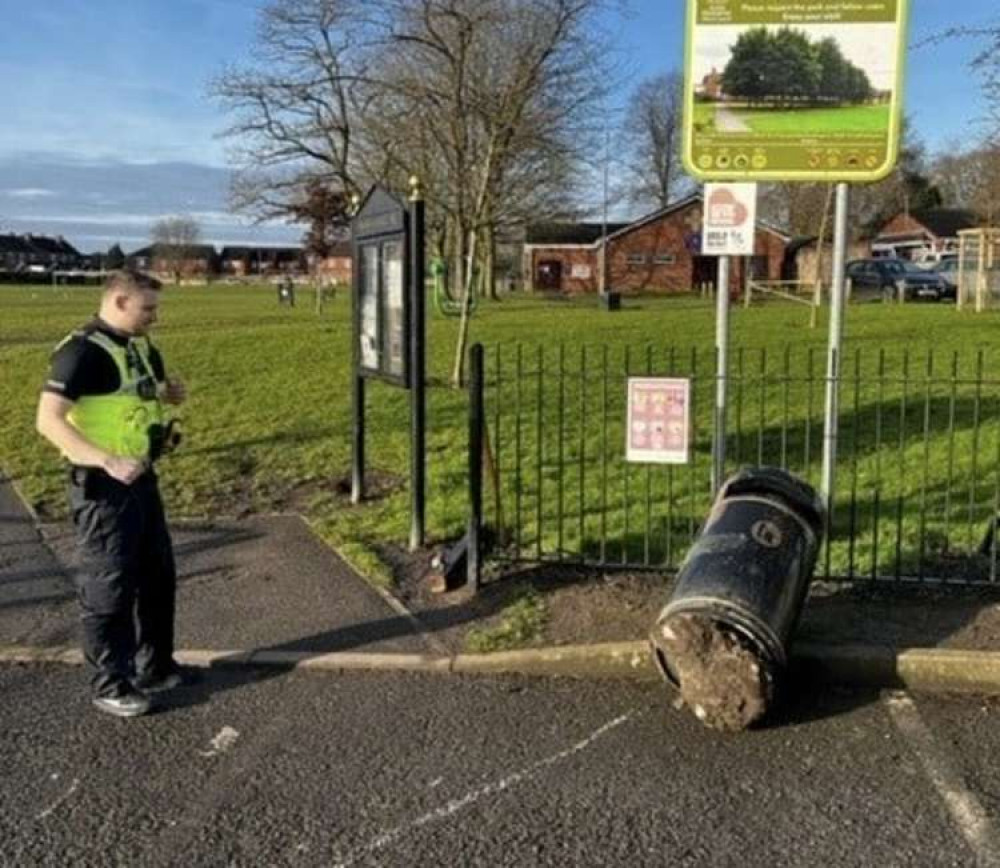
column 129, row 280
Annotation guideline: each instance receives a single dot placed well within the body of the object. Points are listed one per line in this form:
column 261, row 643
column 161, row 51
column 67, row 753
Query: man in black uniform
column 103, row 407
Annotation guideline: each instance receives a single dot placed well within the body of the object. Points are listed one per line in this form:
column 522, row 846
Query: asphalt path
column 259, row 767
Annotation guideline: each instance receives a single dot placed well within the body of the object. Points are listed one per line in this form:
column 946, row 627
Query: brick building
column 923, row 234
column 246, row 260
column 170, row 260
column 659, row 253
column 41, row 253
column 336, row 266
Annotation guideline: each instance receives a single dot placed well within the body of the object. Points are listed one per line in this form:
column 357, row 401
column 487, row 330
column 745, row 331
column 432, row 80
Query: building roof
column 246, row 251
column 14, row 244
column 55, row 246
column 585, row 234
column 582, row 234
column 37, row 244
column 940, row 222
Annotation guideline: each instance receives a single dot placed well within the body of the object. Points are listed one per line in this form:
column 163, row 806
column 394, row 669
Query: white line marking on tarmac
column 456, row 805
column 225, row 739
column 51, row 808
column 965, row 808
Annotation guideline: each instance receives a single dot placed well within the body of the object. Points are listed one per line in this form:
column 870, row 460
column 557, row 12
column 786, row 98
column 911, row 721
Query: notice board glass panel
column 369, row 307
column 395, row 311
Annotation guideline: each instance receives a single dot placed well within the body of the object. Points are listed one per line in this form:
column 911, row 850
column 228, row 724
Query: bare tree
column 652, row 135
column 970, row 176
column 488, row 102
column 295, row 104
column 486, row 95
column 970, row 179
column 986, row 64
column 176, row 239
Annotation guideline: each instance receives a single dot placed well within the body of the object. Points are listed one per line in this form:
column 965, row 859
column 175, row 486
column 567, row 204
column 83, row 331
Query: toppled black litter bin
column 722, row 638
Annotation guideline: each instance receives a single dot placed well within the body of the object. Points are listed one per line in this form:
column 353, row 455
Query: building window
column 636, row 259
column 664, row 259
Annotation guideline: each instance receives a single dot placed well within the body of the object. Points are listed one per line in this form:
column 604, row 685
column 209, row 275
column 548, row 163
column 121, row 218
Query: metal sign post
column 834, row 353
column 831, row 111
column 721, row 374
column 729, row 229
column 418, row 424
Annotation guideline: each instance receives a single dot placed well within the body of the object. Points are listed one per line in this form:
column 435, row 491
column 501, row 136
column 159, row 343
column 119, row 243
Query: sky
column 107, row 124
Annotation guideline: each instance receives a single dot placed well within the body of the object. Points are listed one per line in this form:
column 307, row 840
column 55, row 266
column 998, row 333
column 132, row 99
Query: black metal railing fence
column 917, row 479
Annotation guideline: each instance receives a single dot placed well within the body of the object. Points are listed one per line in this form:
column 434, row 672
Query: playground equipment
column 446, row 303
column 979, row 269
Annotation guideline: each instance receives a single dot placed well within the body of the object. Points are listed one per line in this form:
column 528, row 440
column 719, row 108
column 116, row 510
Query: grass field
column 268, row 421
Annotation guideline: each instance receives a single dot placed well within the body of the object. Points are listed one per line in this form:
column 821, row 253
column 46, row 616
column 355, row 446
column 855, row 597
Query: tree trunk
column 820, row 245
column 458, row 374
column 457, row 281
column 489, row 262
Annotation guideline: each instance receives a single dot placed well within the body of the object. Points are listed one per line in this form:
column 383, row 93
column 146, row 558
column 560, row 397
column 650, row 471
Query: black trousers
column 127, row 582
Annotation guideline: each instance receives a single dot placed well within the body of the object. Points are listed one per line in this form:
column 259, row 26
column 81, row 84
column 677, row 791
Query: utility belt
column 87, row 477
column 163, row 439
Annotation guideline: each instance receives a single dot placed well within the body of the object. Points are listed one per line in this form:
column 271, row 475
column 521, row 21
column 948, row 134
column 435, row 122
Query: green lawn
column 268, row 421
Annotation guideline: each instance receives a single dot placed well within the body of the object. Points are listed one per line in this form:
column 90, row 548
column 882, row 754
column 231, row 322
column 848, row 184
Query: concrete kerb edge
column 946, row 670
column 918, row 669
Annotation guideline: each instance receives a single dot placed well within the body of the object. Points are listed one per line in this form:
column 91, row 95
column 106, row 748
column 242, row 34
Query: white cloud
column 29, row 193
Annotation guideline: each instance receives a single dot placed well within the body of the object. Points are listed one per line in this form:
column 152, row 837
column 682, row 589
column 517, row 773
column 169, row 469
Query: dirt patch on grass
column 586, row 606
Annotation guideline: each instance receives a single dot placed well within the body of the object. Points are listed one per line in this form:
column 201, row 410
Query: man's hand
column 174, row 391
column 125, row 470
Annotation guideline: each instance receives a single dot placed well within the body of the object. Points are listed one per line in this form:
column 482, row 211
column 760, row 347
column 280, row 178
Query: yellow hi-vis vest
column 119, row 422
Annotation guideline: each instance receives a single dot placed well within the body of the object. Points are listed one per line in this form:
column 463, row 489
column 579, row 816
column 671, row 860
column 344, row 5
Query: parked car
column 885, row 279
column 947, row 270
column 930, row 258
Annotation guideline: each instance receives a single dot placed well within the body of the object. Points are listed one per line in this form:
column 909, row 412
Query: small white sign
column 659, row 420
column 730, row 220
column 580, row 272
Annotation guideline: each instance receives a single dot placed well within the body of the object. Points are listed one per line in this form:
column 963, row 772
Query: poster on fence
column 659, row 420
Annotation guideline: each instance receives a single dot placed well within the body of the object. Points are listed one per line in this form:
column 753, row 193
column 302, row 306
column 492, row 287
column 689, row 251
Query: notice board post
column 388, row 327
column 418, row 379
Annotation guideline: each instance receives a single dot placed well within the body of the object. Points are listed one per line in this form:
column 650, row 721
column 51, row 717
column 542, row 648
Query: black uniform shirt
column 80, row 367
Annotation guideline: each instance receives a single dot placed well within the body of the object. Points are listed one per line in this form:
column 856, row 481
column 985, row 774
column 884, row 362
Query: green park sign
column 793, row 90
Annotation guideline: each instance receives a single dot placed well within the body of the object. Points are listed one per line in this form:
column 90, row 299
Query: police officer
column 103, row 407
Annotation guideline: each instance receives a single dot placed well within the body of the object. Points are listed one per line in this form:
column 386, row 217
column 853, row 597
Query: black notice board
column 382, row 304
